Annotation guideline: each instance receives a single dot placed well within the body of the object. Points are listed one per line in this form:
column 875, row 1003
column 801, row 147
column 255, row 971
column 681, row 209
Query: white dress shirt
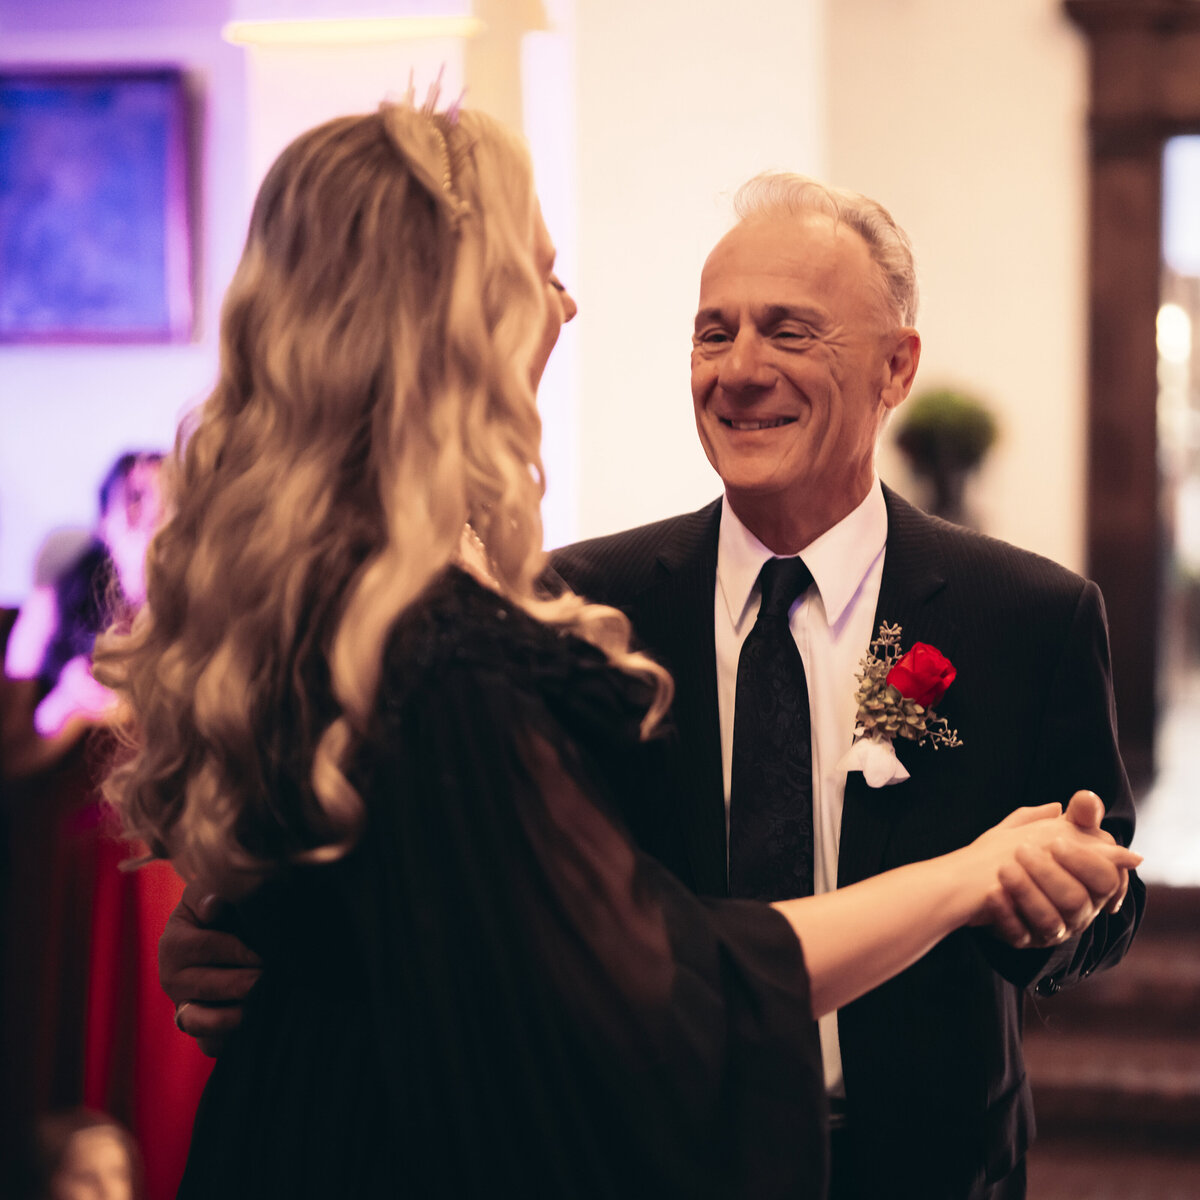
column 832, row 623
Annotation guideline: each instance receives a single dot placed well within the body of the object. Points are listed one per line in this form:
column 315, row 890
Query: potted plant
column 945, row 434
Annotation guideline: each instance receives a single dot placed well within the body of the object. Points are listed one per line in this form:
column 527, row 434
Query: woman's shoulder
column 463, row 633
column 461, row 622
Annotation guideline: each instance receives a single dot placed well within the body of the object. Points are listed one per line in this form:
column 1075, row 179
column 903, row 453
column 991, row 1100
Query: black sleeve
column 1077, row 748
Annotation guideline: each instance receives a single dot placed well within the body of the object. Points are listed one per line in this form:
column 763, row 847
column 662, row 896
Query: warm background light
column 1174, row 330
column 354, row 31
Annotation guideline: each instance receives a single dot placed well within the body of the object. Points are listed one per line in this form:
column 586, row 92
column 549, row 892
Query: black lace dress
column 495, row 994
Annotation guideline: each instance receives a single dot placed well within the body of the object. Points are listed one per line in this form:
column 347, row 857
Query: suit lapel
column 675, row 615
column 913, row 575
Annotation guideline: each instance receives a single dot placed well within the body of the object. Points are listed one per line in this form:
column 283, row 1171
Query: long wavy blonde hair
column 374, row 396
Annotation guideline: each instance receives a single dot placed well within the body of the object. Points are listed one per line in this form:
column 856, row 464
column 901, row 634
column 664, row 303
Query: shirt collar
column 839, row 559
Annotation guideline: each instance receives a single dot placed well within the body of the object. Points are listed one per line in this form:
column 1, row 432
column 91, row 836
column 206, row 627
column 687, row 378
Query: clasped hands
column 1058, row 871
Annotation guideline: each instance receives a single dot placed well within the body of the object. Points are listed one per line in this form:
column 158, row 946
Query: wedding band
column 179, row 1013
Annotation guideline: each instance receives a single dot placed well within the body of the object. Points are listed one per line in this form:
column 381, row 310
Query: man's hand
column 206, row 972
column 1086, row 811
column 1055, row 891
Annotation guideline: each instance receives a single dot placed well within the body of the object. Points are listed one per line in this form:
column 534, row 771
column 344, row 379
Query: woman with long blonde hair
column 355, row 716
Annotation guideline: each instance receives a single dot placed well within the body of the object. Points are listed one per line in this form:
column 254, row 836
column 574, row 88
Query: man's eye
column 796, row 335
column 557, row 284
column 711, row 337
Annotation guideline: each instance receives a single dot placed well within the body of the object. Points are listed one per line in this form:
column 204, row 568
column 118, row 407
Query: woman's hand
column 1053, row 872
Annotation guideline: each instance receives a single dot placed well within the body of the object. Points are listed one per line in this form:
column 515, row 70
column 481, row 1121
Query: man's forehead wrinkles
column 763, row 313
column 777, row 311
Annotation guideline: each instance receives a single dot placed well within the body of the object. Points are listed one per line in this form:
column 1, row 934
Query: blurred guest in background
column 51, row 641
column 81, row 1018
column 85, row 1155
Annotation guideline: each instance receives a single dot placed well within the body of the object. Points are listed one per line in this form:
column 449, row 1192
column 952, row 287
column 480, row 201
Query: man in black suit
column 803, row 345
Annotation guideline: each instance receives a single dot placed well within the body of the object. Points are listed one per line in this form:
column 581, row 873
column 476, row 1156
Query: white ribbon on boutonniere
column 896, row 695
column 876, row 759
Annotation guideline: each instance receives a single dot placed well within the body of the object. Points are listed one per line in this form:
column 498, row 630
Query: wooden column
column 1145, row 88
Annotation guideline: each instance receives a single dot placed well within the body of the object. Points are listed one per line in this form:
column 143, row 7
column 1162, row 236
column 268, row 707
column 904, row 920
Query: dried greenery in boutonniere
column 897, row 692
column 896, row 695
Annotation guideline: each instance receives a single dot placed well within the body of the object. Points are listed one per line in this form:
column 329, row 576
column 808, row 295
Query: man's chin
column 749, row 495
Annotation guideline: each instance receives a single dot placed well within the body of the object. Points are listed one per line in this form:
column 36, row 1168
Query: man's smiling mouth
column 752, row 426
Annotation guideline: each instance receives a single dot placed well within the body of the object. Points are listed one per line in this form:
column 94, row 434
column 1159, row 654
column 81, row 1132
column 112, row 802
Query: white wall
column 968, row 121
column 550, row 123
column 678, row 102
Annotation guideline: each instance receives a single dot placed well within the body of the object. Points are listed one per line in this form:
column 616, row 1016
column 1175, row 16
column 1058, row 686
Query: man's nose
column 744, row 366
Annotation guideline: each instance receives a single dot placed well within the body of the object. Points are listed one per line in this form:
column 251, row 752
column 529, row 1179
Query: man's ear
column 900, row 368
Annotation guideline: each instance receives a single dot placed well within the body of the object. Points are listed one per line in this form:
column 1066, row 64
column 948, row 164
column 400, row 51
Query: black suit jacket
column 934, row 1074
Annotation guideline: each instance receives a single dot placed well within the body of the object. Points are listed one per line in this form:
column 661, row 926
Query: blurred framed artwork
column 95, row 229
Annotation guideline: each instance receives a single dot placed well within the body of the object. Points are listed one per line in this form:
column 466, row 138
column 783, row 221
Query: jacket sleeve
column 1077, row 749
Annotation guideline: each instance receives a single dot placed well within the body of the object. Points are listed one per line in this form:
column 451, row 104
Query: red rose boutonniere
column 922, row 675
column 896, row 697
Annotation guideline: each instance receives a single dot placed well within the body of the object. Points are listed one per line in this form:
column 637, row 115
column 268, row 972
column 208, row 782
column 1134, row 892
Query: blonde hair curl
column 374, row 396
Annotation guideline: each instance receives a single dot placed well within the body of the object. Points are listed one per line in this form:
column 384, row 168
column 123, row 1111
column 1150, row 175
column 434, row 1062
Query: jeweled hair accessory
column 419, row 135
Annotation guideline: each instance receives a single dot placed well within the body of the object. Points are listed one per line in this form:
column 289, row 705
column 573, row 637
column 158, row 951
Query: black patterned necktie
column 771, row 795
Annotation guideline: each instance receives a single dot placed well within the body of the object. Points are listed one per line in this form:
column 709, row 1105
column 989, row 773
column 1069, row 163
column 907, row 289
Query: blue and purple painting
column 94, row 225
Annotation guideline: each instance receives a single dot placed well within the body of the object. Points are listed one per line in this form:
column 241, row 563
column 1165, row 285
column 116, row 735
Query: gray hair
column 784, row 194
